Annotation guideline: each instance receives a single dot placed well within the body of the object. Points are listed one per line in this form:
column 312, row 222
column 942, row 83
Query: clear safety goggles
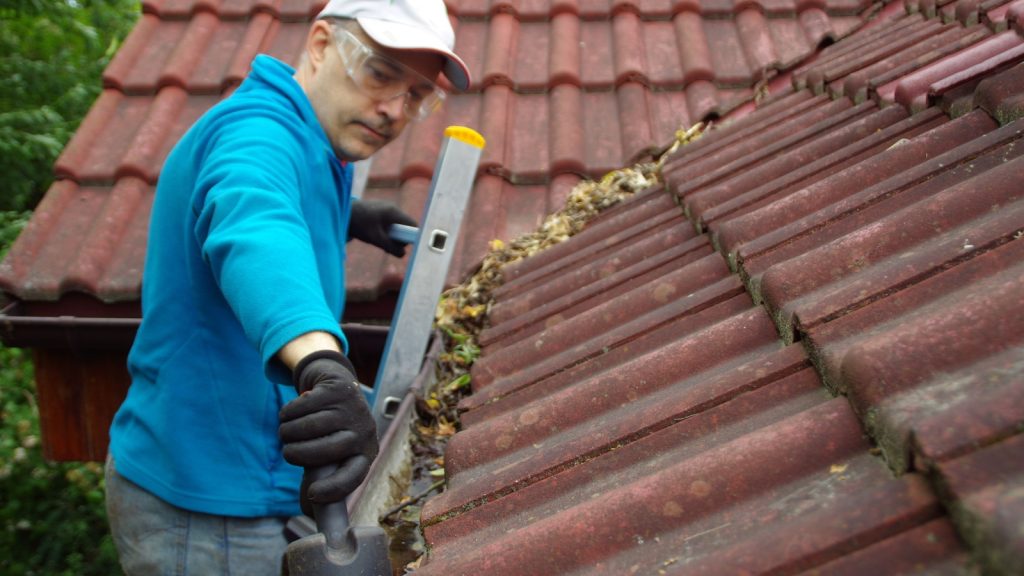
column 384, row 79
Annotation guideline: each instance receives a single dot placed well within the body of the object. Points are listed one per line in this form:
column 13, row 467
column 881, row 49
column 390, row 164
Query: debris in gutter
column 461, row 316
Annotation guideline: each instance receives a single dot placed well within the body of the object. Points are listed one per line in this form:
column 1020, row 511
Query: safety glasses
column 384, row 79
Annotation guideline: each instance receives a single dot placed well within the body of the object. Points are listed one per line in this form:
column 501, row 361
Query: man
column 243, row 292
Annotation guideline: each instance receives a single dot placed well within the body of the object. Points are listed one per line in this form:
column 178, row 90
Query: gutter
column 65, row 331
column 377, row 494
column 76, row 333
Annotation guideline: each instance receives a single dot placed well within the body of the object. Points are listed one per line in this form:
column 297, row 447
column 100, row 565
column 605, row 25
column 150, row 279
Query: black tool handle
column 332, row 518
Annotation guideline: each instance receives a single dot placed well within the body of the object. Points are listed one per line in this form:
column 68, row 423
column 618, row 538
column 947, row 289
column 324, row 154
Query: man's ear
column 318, row 41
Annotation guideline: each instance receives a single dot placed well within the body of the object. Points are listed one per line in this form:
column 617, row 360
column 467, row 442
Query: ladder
column 433, row 245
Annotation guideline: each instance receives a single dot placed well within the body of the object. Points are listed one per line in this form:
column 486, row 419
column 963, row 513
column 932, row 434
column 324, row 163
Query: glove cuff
column 320, row 355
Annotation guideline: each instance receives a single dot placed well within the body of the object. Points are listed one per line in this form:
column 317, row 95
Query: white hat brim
column 399, row 36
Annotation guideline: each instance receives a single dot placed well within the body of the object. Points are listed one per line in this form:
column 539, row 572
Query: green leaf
column 467, row 352
column 457, row 384
column 456, row 337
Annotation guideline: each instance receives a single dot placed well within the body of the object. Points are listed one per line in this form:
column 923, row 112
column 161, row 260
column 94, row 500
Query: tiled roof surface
column 562, row 90
column 804, row 353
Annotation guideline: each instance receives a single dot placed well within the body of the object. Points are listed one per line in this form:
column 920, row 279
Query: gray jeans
column 155, row 538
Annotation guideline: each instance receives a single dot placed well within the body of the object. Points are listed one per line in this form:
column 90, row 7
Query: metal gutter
column 71, row 332
column 65, row 331
column 378, row 493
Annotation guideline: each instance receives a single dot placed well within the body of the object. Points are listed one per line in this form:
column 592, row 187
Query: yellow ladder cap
column 467, row 135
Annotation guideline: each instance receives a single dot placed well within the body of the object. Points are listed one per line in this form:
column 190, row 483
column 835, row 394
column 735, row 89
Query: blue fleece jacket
column 246, row 252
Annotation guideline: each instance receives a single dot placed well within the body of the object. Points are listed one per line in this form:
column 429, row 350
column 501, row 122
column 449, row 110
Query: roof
column 562, row 90
column 803, row 353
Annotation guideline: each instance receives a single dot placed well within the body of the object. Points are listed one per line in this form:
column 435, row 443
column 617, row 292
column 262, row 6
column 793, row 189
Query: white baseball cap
column 406, row 25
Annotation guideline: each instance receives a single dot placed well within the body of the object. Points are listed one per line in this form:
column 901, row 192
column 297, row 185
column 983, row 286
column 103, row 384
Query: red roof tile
column 913, row 90
column 986, row 486
column 562, row 89
column 933, row 548
column 861, row 315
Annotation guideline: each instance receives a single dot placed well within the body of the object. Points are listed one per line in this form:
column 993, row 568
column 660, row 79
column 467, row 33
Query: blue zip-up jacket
column 246, row 251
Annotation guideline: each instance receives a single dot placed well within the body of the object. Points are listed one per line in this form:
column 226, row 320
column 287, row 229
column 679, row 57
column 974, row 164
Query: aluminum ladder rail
column 433, row 246
column 413, row 320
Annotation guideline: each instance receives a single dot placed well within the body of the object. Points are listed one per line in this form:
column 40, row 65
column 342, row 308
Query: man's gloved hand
column 329, row 424
column 371, row 220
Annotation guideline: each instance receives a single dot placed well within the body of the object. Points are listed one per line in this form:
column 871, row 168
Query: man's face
column 357, row 124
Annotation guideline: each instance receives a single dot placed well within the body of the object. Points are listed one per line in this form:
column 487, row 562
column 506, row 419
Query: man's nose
column 393, row 108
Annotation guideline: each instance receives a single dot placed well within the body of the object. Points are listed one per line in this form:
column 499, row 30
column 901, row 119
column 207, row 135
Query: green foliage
column 52, row 56
column 52, row 519
column 11, row 224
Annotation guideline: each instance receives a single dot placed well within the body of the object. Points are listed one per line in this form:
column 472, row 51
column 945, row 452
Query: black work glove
column 371, row 220
column 328, row 425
